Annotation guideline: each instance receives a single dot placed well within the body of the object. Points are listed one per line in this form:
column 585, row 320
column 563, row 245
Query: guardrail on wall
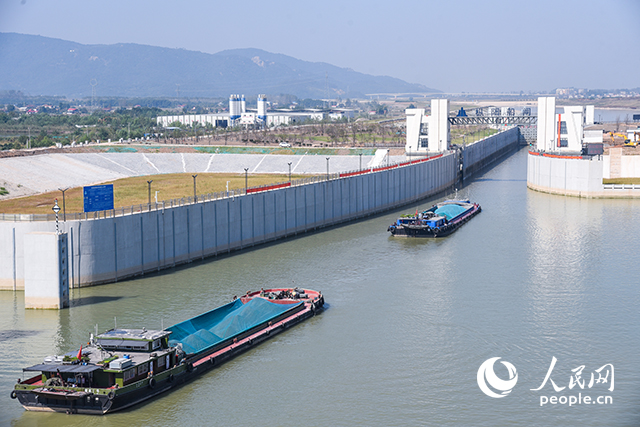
column 621, row 186
column 149, row 207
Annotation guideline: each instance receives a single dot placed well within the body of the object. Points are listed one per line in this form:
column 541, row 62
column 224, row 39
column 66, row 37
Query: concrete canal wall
column 110, row 249
column 481, row 154
column 569, row 176
column 574, row 176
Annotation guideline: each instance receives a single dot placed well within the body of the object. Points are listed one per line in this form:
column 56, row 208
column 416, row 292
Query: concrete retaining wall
column 482, row 153
column 574, row 177
column 629, row 167
column 566, row 176
column 111, row 249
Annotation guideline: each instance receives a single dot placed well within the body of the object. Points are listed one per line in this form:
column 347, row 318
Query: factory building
column 564, row 132
column 428, row 134
column 239, row 116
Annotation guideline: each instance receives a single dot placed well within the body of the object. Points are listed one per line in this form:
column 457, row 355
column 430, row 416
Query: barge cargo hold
column 123, row 367
column 438, row 221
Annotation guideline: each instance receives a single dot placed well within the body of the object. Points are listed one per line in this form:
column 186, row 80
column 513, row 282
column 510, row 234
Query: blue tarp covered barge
column 438, row 221
column 216, row 328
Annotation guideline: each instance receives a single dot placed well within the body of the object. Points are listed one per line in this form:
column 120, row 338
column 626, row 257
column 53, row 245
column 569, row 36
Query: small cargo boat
column 438, row 221
column 123, row 367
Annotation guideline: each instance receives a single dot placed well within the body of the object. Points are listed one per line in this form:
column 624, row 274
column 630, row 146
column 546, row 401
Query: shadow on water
column 15, row 334
column 93, row 300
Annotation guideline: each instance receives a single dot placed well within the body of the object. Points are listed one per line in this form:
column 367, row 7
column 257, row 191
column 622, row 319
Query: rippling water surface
column 408, row 322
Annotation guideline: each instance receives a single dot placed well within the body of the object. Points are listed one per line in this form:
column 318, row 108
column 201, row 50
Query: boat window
column 143, row 369
column 128, row 374
column 156, row 344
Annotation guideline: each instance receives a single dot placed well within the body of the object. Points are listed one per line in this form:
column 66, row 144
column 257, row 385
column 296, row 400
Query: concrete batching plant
column 238, row 116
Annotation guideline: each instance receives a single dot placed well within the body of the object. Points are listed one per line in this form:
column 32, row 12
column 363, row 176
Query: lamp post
column 328, row 168
column 246, row 180
column 149, row 187
column 289, row 172
column 64, row 207
column 195, row 198
column 56, row 209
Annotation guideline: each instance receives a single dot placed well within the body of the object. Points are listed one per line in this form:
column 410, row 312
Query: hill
column 37, row 65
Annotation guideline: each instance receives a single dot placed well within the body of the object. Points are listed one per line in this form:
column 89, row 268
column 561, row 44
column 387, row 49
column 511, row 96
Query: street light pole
column 328, row 168
column 246, row 180
column 195, row 197
column 289, row 172
column 149, row 186
column 64, row 208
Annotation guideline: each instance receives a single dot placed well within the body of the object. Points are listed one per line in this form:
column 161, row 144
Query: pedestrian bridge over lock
column 494, row 120
column 431, row 133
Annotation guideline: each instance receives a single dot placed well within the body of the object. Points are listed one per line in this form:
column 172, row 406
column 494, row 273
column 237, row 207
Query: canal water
column 533, row 278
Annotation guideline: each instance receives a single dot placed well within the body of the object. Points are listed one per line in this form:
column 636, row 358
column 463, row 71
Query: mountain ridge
column 38, row 65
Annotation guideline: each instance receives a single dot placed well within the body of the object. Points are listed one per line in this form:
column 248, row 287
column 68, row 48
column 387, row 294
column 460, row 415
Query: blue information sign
column 98, row 198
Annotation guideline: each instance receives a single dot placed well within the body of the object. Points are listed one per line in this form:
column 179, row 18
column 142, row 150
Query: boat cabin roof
column 133, row 334
column 96, row 357
column 76, row 369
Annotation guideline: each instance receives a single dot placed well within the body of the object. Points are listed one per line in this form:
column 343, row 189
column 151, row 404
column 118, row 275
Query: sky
column 451, row 45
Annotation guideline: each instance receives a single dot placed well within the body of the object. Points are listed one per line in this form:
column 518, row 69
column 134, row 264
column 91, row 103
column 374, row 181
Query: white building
column 564, row 132
column 428, row 134
column 239, row 116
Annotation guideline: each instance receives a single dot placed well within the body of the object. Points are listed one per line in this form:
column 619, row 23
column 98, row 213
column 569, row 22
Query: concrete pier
column 46, row 281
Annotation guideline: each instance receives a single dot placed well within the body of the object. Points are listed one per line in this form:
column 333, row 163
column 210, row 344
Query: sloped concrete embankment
column 111, row 249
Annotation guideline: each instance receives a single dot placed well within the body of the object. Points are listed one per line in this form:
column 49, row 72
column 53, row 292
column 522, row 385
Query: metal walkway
column 494, row 120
